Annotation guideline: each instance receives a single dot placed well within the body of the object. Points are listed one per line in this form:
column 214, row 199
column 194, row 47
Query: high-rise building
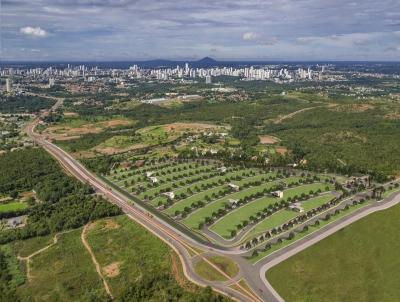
column 51, row 82
column 8, row 85
column 208, row 79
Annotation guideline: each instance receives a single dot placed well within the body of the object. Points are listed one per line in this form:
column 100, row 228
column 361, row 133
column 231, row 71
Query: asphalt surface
column 185, row 246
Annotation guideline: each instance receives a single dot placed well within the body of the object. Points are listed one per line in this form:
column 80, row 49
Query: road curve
column 177, row 240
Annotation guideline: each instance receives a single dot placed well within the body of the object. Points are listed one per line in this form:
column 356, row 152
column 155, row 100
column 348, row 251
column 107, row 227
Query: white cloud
column 249, row 36
column 33, row 31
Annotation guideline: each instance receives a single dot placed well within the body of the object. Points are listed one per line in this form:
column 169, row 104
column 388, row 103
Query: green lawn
column 198, row 216
column 225, row 225
column 298, row 236
column 358, row 263
column 272, row 221
column 208, row 272
column 316, row 202
column 180, row 205
column 12, row 206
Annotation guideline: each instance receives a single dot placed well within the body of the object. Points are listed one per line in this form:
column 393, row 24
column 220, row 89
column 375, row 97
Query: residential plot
column 199, row 216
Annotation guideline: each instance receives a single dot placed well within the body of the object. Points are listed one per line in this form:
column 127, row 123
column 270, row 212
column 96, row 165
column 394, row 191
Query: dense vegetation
column 24, row 103
column 344, row 141
column 65, row 202
column 152, row 288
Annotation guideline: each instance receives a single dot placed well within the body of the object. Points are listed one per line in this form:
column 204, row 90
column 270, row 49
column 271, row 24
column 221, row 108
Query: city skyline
column 104, row 30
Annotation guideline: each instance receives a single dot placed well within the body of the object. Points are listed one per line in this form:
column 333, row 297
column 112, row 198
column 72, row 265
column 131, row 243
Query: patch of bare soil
column 112, row 270
column 70, row 114
column 268, row 139
column 281, row 150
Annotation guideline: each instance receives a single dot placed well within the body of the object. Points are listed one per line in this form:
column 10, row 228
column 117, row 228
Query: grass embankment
column 358, row 263
column 208, row 272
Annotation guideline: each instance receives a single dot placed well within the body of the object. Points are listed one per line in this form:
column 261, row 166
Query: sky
column 107, row 30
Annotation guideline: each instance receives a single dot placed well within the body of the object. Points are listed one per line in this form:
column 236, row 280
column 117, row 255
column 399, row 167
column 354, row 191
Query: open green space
column 181, row 204
column 298, row 235
column 316, row 202
column 198, row 216
column 64, row 272
column 208, row 272
column 224, row 226
column 13, row 206
column 136, row 265
column 358, row 263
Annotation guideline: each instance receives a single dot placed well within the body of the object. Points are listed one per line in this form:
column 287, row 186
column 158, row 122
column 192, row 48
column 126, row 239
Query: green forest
column 64, row 202
column 24, row 104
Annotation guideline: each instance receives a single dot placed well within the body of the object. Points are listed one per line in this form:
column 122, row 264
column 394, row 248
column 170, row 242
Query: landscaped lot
column 226, row 200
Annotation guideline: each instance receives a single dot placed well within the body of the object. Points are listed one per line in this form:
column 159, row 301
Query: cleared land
column 358, row 263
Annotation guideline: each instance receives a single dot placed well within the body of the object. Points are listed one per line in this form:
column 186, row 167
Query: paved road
column 182, row 243
column 283, row 254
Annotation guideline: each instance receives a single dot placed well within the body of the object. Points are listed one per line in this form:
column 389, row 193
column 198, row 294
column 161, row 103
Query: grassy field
column 206, row 271
column 126, row 252
column 195, row 218
column 304, row 233
column 358, row 263
column 12, row 206
column 225, row 225
column 63, row 272
column 136, row 265
column 313, row 203
column 180, row 205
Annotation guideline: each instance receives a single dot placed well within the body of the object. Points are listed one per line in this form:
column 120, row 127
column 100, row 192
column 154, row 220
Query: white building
column 153, row 179
column 278, row 194
column 208, row 79
column 8, row 85
column 233, row 187
column 150, row 173
column 170, row 195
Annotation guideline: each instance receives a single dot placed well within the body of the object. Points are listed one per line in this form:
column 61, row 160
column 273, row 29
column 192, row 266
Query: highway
column 186, row 246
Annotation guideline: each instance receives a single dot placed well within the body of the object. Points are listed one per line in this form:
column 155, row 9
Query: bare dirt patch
column 268, row 139
column 70, row 114
column 112, row 270
column 281, row 150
